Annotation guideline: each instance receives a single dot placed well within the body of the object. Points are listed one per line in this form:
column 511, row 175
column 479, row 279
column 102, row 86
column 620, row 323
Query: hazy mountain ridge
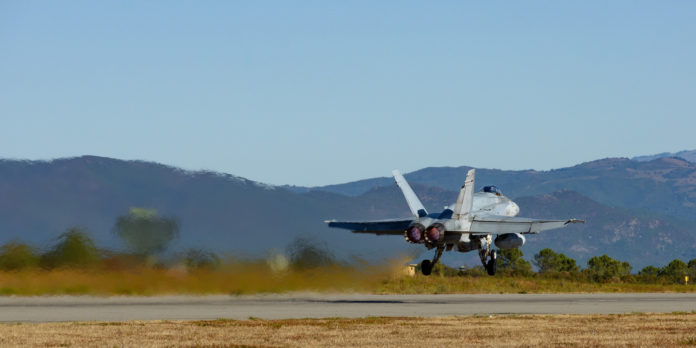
column 40, row 199
column 686, row 154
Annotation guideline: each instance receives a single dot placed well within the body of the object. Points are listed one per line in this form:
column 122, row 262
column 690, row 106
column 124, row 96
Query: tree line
column 146, row 236
column 603, row 269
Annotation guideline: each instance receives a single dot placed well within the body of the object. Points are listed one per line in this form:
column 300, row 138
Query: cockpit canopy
column 492, row 189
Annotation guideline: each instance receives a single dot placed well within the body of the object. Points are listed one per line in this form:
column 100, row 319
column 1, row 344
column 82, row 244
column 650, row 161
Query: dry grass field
column 257, row 279
column 631, row 330
column 152, row 281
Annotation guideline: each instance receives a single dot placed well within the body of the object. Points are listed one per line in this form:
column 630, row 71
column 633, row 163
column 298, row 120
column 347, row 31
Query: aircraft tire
column 426, row 267
column 490, row 267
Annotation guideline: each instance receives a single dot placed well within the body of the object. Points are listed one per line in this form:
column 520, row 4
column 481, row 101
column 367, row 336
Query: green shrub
column 548, row 261
column 649, row 275
column 675, row 271
column 73, row 249
column 15, row 256
column 605, row 269
column 691, row 268
column 510, row 262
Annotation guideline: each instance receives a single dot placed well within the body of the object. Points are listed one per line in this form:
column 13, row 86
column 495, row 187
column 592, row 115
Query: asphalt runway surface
column 87, row 308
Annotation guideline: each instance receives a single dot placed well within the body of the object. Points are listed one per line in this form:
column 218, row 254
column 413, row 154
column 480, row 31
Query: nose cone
column 512, row 209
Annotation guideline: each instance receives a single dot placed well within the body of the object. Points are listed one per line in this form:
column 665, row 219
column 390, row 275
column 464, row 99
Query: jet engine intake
column 435, row 233
column 509, row 241
column 415, row 233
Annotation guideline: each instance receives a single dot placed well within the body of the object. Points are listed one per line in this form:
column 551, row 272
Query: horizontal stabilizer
column 397, row 226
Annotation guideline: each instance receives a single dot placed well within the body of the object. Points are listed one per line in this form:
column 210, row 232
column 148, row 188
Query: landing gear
column 490, row 266
column 487, row 254
column 427, row 265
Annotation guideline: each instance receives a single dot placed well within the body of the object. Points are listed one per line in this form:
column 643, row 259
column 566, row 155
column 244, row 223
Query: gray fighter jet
column 474, row 222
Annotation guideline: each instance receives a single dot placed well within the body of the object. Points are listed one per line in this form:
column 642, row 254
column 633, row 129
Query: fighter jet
column 474, row 222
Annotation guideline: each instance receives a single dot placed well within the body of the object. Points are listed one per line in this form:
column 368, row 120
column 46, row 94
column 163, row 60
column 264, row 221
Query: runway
column 86, row 308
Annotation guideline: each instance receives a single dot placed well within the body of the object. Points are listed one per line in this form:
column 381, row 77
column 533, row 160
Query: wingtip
column 575, row 221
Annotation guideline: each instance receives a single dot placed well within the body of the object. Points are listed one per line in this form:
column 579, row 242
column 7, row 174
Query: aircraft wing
column 392, row 226
column 496, row 224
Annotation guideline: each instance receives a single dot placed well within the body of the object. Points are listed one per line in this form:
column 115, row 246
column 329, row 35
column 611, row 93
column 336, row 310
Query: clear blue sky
column 322, row 92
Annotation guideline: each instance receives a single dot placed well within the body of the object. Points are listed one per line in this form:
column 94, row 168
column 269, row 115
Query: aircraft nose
column 512, row 209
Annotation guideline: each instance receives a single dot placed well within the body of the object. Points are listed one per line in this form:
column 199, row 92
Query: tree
column 510, row 261
column 604, row 269
column 692, row 268
column 567, row 264
column 144, row 233
column 549, row 261
column 649, row 274
column 15, row 256
column 692, row 264
column 74, row 249
column 675, row 271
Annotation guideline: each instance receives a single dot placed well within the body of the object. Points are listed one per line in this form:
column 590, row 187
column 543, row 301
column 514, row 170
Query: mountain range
column 637, row 210
column 687, row 155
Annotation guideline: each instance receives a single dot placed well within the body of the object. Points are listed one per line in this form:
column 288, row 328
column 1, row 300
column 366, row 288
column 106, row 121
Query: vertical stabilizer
column 413, row 202
column 465, row 198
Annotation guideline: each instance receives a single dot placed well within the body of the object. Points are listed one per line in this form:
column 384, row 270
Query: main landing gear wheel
column 427, row 265
column 491, row 265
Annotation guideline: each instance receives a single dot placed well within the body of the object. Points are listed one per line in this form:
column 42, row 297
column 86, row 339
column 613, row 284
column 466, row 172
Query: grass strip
column 630, row 330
